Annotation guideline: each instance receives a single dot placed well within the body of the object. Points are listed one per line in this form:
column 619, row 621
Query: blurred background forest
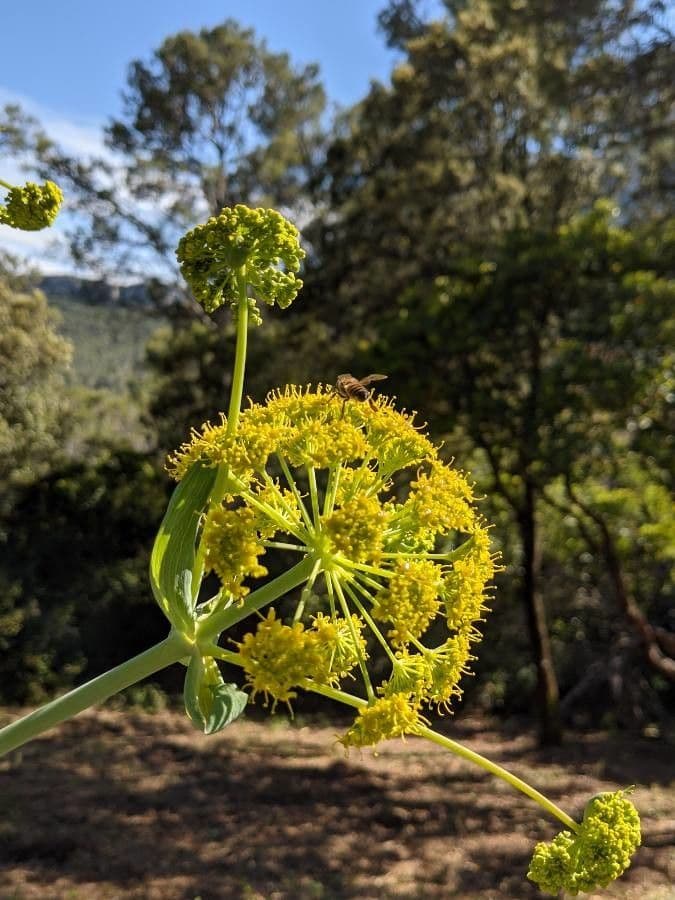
column 492, row 227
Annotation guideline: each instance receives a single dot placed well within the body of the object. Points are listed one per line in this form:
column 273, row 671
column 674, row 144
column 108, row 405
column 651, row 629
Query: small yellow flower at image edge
column 30, row 207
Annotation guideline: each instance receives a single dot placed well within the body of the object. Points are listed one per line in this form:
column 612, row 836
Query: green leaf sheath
column 209, row 702
column 173, row 563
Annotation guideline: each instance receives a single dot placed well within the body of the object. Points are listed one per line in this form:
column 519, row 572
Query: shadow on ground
column 143, row 807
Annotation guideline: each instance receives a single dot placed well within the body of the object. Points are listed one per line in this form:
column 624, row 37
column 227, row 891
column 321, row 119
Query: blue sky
column 65, row 63
column 71, row 56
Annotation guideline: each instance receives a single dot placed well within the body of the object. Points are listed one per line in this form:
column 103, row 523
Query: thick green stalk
column 237, row 391
column 6, row 184
column 220, row 485
column 369, row 621
column 211, row 627
column 164, row 654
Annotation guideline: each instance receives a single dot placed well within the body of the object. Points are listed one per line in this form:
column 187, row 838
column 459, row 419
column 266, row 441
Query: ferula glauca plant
column 387, row 544
column 30, row 207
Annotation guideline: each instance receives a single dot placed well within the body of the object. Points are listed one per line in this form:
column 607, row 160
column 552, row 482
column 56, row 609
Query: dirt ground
column 140, row 806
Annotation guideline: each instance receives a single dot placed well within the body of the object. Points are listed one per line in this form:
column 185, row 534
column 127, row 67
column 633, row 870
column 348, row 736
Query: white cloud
column 84, row 136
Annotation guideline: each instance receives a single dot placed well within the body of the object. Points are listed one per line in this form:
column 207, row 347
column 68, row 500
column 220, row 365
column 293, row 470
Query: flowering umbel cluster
column 598, row 853
column 399, row 553
column 250, row 244
column 31, row 207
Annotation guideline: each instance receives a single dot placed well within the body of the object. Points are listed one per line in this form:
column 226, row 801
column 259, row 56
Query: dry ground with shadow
column 141, row 806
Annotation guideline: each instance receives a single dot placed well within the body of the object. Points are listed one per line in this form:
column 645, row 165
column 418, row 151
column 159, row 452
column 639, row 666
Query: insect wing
column 369, row 379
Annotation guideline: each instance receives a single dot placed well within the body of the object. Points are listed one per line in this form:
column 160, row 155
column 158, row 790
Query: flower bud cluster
column 31, row 207
column 242, row 245
column 597, row 854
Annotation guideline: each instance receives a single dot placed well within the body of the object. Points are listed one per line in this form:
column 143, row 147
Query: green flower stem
column 331, row 489
column 6, row 184
column 289, row 509
column 174, row 648
column 450, row 556
column 210, row 627
column 458, row 750
column 272, row 513
column 224, row 474
column 237, row 391
column 279, row 545
column 306, row 591
column 363, row 567
column 296, row 493
column 335, row 581
column 500, row 772
column 359, row 577
column 369, row 620
column 333, row 693
column 314, row 494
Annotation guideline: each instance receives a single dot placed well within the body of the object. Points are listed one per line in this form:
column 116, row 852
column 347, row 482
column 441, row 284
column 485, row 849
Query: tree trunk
column 548, row 700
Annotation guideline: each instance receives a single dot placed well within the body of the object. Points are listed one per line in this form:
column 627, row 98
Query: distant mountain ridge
column 97, row 292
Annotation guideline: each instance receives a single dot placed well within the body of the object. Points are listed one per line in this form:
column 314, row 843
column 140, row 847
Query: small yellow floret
column 464, row 587
column 431, row 676
column 259, row 246
column 340, row 644
column 388, row 717
column 32, row 207
column 410, row 600
column 442, row 500
column 278, row 657
column 357, row 529
column 596, row 855
column 233, row 547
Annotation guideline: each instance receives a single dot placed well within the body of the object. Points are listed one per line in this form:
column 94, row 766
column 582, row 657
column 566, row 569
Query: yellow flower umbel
column 311, row 476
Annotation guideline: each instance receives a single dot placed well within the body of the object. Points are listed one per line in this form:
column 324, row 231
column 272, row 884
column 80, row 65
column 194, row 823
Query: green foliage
column 175, row 572
column 74, row 561
column 499, row 116
column 190, row 106
column 543, row 348
column 108, row 341
column 209, row 702
column 33, row 361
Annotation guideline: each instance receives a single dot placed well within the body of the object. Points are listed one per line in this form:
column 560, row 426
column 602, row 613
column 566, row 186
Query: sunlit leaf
column 175, row 583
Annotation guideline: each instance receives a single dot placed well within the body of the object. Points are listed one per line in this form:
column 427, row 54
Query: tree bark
column 658, row 644
column 548, row 697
